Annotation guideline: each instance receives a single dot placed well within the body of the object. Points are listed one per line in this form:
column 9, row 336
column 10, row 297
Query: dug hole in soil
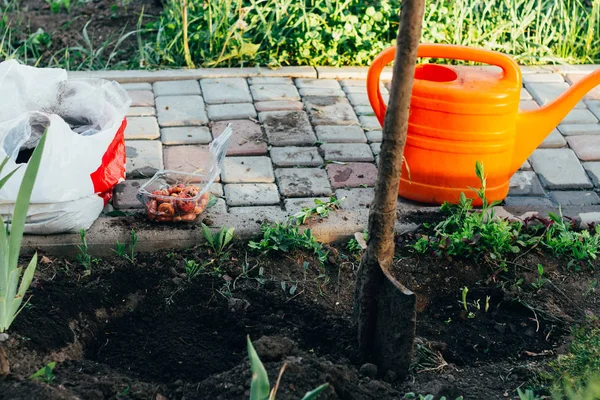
column 146, row 331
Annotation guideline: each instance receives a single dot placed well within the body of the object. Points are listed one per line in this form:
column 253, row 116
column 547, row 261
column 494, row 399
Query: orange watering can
column 459, row 115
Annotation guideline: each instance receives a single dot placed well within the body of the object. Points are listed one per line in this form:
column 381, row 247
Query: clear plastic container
column 172, row 196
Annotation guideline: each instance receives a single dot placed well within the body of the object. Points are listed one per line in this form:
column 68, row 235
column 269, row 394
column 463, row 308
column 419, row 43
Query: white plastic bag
column 82, row 118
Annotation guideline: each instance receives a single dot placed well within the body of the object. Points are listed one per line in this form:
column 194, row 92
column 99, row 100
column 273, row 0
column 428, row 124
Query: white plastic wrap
column 82, row 117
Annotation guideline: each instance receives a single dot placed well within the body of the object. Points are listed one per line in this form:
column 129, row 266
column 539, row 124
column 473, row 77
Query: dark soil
column 106, row 20
column 147, row 331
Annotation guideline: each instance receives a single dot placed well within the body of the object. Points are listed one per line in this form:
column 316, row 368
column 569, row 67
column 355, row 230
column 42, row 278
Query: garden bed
column 146, row 330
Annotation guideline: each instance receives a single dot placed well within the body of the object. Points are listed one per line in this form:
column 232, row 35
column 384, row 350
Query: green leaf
column 228, row 237
column 479, row 169
column 259, row 389
column 208, row 235
column 212, row 201
column 315, row 393
column 22, row 203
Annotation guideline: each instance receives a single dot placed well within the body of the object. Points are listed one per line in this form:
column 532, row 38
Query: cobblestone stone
column 221, row 112
column 216, row 189
column 247, row 138
column 136, row 86
column 594, row 107
column 593, row 170
column 181, row 111
column 559, row 169
column 579, row 129
column 370, row 122
column 525, row 166
column 525, row 95
column 364, row 110
column 323, row 92
column 302, row 83
column 554, row 140
column 355, row 199
column 575, row 198
column 587, row 148
column 287, row 128
column 278, row 105
column 544, row 93
column 593, row 94
column 141, row 98
column 525, row 183
column 125, row 194
column 260, row 80
column 303, row 182
column 296, row 156
column 141, row 112
column 330, row 111
column 340, row 134
column 176, row 88
column 251, row 194
column 144, row 158
column 359, row 99
column 352, row 175
column 374, row 136
column 530, row 78
column 530, row 203
column 347, row 152
column 186, row 135
column 218, row 208
column 293, row 206
column 247, row 170
column 185, row 158
column 260, row 214
column 225, row 90
column 579, row 116
column 142, row 128
column 273, row 92
column 376, row 148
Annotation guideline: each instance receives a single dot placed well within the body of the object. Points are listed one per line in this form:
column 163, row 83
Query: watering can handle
column 509, row 67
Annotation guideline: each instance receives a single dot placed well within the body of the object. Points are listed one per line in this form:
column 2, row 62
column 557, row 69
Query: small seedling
column 127, row 253
column 464, row 292
column 487, row 303
column 591, row 287
column 56, row 5
column 260, row 388
column 84, row 257
column 321, row 209
column 219, row 241
column 44, row 374
column 192, row 269
column 540, row 281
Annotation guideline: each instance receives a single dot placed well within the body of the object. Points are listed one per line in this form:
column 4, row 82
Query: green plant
column 464, row 292
column 44, row 374
column 56, row 5
column 561, row 239
column 321, row 209
column 287, row 237
column 125, row 252
column 576, row 368
column 11, row 292
column 192, row 269
column 540, row 281
column 354, row 247
column 84, row 256
column 260, row 388
column 219, row 241
column 469, row 232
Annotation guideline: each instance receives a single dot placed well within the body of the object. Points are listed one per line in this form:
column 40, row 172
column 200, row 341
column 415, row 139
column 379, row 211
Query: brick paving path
column 297, row 139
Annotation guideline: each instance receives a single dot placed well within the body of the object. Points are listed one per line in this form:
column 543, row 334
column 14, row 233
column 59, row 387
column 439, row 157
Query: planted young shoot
column 44, row 374
column 218, row 241
column 124, row 251
column 260, row 388
column 11, row 292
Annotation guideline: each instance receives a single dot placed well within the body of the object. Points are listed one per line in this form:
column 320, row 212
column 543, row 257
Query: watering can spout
column 535, row 125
